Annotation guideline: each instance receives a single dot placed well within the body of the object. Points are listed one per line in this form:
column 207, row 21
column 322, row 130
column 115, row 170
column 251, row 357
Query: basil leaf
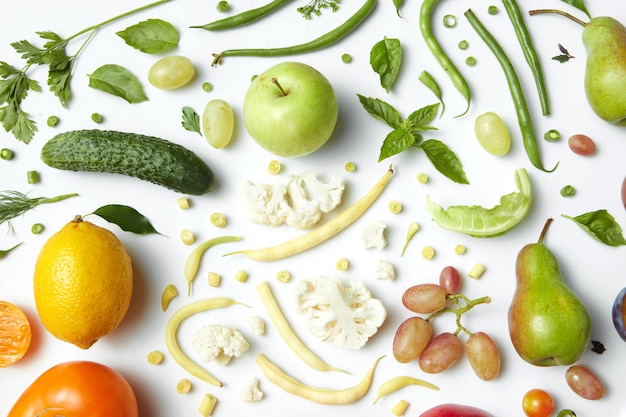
column 382, row 111
column 127, row 218
column 386, row 59
column 420, row 118
column 117, row 80
column 398, row 4
column 580, row 5
column 600, row 225
column 151, row 36
column 396, row 141
column 191, row 120
column 444, row 160
column 429, row 81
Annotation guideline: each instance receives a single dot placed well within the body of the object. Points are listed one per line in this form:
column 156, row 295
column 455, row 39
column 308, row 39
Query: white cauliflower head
column 218, row 343
column 250, row 391
column 297, row 200
column 346, row 316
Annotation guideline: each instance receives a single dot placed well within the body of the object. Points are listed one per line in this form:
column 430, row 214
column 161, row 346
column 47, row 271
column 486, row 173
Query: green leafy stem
column 15, row 83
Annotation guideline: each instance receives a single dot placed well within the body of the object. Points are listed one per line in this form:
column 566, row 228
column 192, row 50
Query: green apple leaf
column 600, row 225
column 151, row 36
column 117, row 80
column 386, row 59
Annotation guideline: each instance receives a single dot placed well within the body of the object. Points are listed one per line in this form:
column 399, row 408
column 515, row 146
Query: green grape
column 171, row 72
column 492, row 134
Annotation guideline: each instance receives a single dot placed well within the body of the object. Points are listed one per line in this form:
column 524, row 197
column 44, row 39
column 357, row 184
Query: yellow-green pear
column 605, row 74
column 604, row 39
column 548, row 323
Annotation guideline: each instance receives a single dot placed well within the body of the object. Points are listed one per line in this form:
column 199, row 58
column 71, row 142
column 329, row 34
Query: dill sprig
column 15, row 203
column 314, row 7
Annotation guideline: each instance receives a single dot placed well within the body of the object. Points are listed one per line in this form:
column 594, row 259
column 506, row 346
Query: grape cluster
column 414, row 338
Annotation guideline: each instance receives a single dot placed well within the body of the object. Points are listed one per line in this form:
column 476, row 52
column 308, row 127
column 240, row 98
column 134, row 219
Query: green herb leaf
column 14, row 87
column 481, row 222
column 386, row 59
column 191, row 120
column 600, row 225
column 444, row 160
column 117, row 80
column 420, row 119
column 382, row 111
column 565, row 55
column 429, row 81
column 398, row 4
column 580, row 5
column 151, row 36
column 127, row 218
column 395, row 142
column 5, row 252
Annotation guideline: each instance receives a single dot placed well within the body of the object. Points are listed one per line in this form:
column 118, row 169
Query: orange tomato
column 15, row 334
column 78, row 388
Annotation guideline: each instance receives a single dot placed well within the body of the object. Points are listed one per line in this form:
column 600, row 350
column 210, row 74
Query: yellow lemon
column 83, row 283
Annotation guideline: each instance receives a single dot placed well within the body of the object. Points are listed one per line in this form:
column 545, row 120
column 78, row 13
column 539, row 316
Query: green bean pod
column 517, row 93
column 243, row 18
column 458, row 80
column 521, row 31
column 321, row 42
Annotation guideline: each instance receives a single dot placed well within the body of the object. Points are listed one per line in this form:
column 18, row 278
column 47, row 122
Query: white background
column 593, row 270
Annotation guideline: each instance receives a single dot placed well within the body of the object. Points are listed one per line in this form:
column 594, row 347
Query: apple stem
column 277, row 84
column 561, row 12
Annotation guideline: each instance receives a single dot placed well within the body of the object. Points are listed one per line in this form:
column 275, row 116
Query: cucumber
column 145, row 157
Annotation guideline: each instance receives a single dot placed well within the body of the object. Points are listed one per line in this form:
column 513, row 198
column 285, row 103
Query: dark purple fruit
column 619, row 313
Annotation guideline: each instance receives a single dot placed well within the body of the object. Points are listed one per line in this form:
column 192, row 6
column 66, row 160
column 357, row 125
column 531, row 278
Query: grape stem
column 463, row 305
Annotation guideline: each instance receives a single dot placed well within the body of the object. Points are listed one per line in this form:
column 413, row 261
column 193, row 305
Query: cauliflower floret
column 298, row 200
column 346, row 316
column 250, row 391
column 384, row 270
column 257, row 324
column 218, row 343
column 373, row 235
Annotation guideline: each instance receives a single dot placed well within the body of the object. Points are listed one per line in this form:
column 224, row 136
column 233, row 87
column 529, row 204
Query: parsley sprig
column 314, row 8
column 15, row 84
column 407, row 133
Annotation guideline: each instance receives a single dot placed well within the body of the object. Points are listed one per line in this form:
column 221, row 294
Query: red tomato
column 79, row 388
column 15, row 334
column 537, row 403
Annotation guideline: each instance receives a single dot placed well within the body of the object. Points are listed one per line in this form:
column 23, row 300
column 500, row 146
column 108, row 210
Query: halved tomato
column 15, row 334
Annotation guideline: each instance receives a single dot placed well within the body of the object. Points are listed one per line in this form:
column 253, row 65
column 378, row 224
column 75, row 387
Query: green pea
column 346, row 58
column 37, row 228
column 463, row 44
column 568, row 191
column 6, row 154
column 223, row 6
column 493, row 10
column 52, row 121
column 97, row 117
column 470, row 61
column 552, row 135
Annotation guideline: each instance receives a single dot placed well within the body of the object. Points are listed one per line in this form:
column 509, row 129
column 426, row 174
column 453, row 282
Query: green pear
column 605, row 74
column 604, row 39
column 548, row 323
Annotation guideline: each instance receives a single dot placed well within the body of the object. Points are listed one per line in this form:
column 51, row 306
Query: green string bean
column 521, row 31
column 458, row 80
column 517, row 93
column 243, row 18
column 321, row 42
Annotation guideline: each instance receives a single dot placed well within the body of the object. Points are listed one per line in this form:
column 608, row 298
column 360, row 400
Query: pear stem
column 545, row 229
column 277, row 84
column 556, row 11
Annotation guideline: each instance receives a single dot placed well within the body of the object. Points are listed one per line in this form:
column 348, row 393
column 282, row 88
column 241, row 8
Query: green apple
column 290, row 109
